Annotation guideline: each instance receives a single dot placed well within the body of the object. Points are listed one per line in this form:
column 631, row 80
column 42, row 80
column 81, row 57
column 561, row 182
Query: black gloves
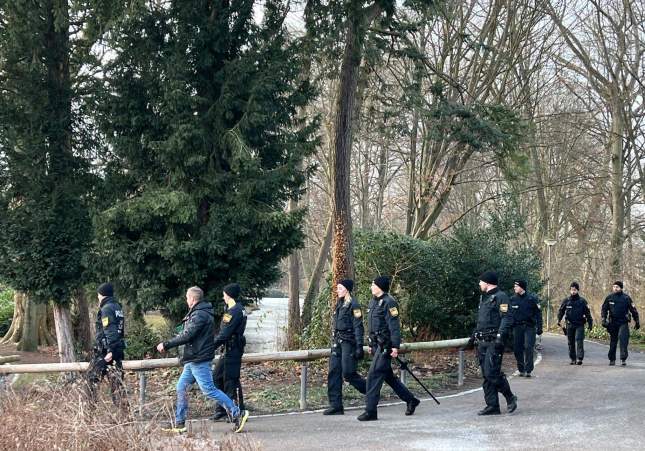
column 359, row 354
column 471, row 342
column 605, row 323
column 637, row 325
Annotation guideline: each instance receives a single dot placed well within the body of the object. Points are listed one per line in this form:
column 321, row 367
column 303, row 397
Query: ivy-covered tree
column 45, row 226
column 206, row 147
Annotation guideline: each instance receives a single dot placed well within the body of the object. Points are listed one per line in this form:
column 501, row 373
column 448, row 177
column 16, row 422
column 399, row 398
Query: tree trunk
column 64, row 337
column 342, row 253
column 29, row 339
column 81, row 321
column 316, row 275
column 293, row 324
column 14, row 334
column 617, row 201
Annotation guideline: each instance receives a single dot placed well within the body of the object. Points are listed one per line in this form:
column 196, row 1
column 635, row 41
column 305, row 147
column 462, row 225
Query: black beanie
column 383, row 282
column 619, row 283
column 233, row 290
column 575, row 285
column 347, row 283
column 489, row 277
column 521, row 283
column 105, row 289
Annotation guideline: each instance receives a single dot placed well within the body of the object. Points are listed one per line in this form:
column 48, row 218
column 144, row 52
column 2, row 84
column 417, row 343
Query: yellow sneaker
column 240, row 420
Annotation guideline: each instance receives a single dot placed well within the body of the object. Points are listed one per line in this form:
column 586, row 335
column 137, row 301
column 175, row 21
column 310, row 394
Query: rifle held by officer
column 404, row 366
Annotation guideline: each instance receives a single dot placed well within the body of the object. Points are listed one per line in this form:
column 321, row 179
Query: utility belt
column 380, row 340
column 341, row 335
column 525, row 323
column 236, row 341
column 486, row 335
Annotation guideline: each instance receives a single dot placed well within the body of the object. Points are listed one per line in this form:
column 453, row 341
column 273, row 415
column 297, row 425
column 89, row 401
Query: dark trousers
column 618, row 332
column 99, row 370
column 523, row 344
column 226, row 377
column 490, row 361
column 342, row 365
column 381, row 371
column 576, row 340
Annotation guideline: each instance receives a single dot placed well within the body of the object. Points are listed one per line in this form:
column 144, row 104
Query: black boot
column 334, row 411
column 367, row 416
column 412, row 405
column 579, row 362
column 511, row 404
column 489, row 410
column 573, row 362
column 623, row 363
column 612, row 362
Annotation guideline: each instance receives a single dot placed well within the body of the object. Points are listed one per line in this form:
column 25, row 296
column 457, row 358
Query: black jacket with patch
column 348, row 321
column 110, row 327
column 383, row 322
column 493, row 315
column 617, row 308
column 231, row 329
column 576, row 310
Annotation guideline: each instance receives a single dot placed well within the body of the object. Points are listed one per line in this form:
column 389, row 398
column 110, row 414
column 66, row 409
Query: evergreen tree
column 45, row 227
column 206, row 148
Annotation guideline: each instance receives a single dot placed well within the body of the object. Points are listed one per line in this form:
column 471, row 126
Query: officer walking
column 494, row 323
column 109, row 347
column 199, row 350
column 384, row 342
column 231, row 336
column 615, row 313
column 576, row 312
column 527, row 321
column 347, row 347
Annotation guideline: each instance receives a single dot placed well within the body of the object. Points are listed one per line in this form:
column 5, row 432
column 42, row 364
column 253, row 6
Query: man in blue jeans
column 199, row 351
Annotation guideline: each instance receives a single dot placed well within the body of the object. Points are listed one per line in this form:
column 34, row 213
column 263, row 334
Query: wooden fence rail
column 304, row 356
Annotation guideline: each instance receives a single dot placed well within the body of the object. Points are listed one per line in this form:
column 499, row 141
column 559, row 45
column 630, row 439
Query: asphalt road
column 592, row 406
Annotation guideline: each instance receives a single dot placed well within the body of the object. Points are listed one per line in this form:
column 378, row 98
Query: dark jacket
column 494, row 316
column 384, row 323
column 576, row 310
column 348, row 321
column 617, row 307
column 197, row 334
column 526, row 310
column 110, row 327
column 231, row 330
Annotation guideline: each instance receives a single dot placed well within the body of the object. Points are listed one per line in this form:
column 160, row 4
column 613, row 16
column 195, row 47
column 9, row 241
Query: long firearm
column 404, row 366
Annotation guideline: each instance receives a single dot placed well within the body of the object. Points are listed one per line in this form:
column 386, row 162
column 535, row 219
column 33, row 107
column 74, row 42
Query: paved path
column 590, row 407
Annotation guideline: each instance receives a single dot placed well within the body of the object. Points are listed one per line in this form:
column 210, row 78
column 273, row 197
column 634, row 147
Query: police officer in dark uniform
column 384, row 342
column 494, row 323
column 231, row 335
column 347, row 347
column 109, row 348
column 527, row 321
column 576, row 312
column 615, row 314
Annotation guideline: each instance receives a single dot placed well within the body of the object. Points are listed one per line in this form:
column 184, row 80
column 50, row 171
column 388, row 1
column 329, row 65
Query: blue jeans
column 200, row 372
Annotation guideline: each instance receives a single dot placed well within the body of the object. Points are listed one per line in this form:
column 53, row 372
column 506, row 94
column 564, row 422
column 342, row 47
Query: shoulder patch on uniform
column 394, row 311
column 105, row 321
column 357, row 313
column 503, row 308
column 227, row 317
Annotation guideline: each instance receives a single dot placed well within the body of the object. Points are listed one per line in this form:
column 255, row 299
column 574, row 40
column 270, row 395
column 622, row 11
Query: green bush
column 436, row 281
column 6, row 310
column 142, row 340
